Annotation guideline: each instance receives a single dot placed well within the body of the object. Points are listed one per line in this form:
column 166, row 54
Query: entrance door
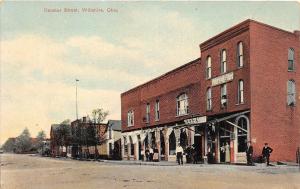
column 140, row 151
column 198, row 147
column 224, row 140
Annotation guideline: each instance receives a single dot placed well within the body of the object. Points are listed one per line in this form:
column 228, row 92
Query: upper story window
column 208, row 99
column 130, row 118
column 291, row 60
column 240, row 55
column 223, row 61
column 147, row 113
column 291, row 93
column 208, row 67
column 241, row 92
column 182, row 105
column 157, row 110
column 223, row 96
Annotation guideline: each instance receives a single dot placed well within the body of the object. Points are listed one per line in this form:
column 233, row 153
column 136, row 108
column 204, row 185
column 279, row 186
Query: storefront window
column 172, row 143
column 183, row 139
column 242, row 135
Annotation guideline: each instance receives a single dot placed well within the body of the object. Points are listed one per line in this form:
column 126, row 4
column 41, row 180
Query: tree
column 41, row 137
column 9, row 145
column 23, row 142
column 99, row 115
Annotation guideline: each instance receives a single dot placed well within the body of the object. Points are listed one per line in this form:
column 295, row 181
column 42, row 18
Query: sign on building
column 222, row 79
column 195, row 120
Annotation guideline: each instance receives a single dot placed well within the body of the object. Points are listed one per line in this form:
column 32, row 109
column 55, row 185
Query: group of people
column 151, row 154
column 266, row 152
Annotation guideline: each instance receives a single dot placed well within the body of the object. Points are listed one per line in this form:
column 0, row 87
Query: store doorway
column 198, row 147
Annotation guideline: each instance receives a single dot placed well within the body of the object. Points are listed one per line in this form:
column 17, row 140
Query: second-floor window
column 223, row 61
column 291, row 60
column 182, row 105
column 208, row 67
column 130, row 118
column 208, row 99
column 147, row 113
column 157, row 110
column 240, row 55
column 223, row 95
column 241, row 92
column 291, row 93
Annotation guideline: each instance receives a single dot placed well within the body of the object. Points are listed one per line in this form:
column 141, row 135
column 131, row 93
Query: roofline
column 161, row 76
column 245, row 23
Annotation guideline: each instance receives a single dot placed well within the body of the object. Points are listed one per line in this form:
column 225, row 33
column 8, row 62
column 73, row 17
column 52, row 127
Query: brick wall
column 271, row 119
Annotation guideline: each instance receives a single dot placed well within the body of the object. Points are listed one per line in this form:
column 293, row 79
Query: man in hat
column 179, row 154
column 266, row 152
column 249, row 153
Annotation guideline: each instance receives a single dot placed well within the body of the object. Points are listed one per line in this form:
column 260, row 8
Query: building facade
column 245, row 87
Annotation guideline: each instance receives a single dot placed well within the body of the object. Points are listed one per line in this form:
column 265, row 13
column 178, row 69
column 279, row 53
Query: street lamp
column 76, row 100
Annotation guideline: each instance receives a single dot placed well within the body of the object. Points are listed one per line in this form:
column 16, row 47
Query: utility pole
column 76, row 100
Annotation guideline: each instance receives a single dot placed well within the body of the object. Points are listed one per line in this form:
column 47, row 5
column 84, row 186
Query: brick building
column 244, row 87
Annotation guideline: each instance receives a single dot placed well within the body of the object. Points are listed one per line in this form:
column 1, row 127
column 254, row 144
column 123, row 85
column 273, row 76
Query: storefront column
column 157, row 141
column 122, row 147
column 177, row 136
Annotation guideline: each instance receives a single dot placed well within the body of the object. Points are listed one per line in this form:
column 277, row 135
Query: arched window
column 223, row 61
column 291, row 60
column 182, row 105
column 208, row 99
column 130, row 118
column 223, row 95
column 208, row 67
column 241, row 92
column 240, row 55
column 172, row 143
column 291, row 93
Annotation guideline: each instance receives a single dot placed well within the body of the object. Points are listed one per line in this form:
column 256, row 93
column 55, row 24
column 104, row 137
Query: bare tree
column 99, row 115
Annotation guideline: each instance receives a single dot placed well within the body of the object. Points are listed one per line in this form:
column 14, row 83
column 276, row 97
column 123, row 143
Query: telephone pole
column 76, row 100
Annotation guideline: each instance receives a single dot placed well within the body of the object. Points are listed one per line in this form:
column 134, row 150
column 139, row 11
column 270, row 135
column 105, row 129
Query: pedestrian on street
column 179, row 154
column 266, row 152
column 151, row 152
column 227, row 153
column 147, row 154
column 249, row 153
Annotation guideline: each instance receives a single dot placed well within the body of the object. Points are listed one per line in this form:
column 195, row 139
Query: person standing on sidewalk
column 249, row 153
column 266, row 152
column 227, row 153
column 179, row 154
column 151, row 153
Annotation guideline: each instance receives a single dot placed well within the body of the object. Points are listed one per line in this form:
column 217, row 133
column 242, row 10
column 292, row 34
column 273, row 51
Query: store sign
column 195, row 120
column 222, row 79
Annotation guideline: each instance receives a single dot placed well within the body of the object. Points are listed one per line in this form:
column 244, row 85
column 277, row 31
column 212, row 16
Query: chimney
column 297, row 33
column 84, row 119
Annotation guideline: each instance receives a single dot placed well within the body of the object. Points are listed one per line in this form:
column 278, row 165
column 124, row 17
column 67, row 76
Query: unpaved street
column 31, row 172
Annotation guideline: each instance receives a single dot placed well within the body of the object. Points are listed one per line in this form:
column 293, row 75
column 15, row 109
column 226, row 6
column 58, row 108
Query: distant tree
column 99, row 115
column 66, row 122
column 41, row 137
column 23, row 142
column 9, row 145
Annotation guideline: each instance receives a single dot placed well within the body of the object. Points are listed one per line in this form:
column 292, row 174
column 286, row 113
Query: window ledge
column 182, row 115
column 292, row 70
column 240, row 103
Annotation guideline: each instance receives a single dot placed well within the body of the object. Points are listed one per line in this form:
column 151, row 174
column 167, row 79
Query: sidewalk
column 131, row 162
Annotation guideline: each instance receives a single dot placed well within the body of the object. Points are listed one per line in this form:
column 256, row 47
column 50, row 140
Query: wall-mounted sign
column 222, row 79
column 195, row 120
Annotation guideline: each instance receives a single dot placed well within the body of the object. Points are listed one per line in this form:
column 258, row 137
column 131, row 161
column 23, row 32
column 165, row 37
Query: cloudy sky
column 109, row 52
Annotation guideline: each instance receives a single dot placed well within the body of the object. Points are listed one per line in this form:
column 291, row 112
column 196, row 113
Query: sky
column 109, row 52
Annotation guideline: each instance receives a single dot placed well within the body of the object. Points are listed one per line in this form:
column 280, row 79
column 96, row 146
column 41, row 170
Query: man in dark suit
column 266, row 152
column 249, row 153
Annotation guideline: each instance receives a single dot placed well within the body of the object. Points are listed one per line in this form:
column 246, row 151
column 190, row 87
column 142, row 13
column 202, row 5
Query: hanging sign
column 222, row 79
column 195, row 120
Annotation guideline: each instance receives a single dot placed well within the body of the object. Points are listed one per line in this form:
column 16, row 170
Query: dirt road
column 31, row 172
